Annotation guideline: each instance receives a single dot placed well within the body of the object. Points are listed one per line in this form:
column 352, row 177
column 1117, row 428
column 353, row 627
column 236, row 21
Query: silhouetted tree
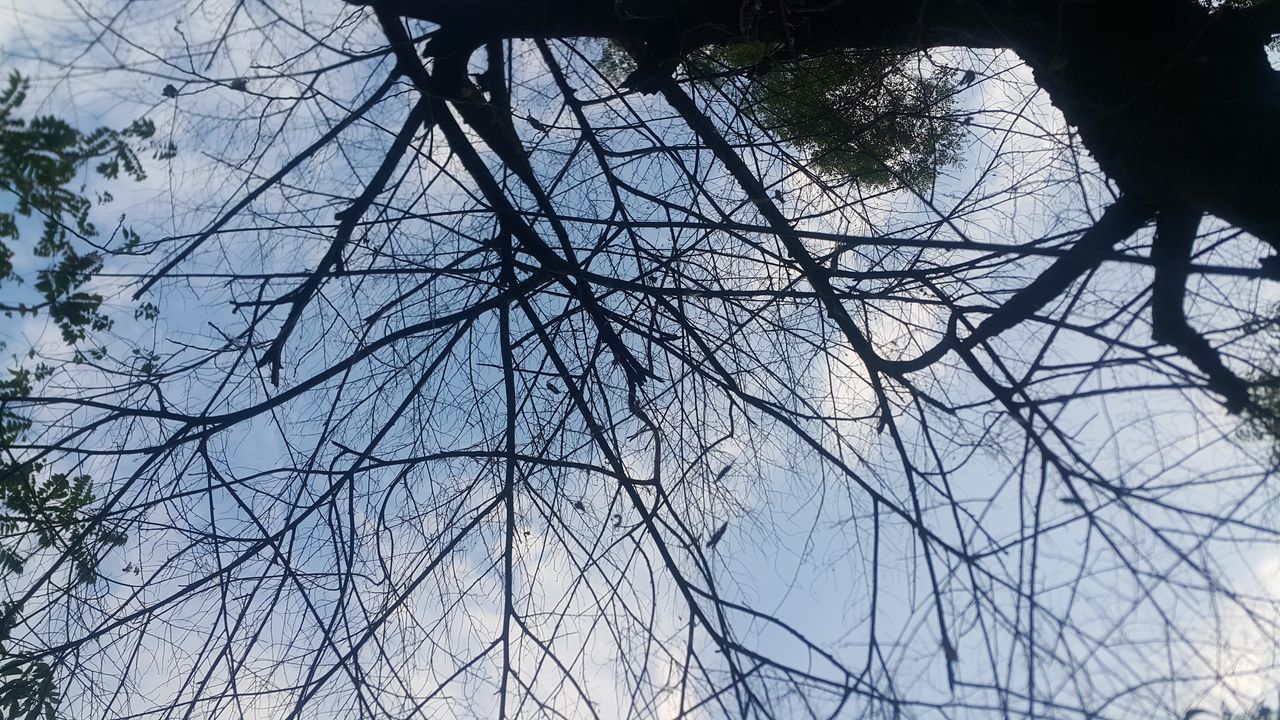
column 859, row 359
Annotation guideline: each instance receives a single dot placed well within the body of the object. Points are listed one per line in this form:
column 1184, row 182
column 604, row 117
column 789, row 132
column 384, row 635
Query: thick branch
column 299, row 298
column 1178, row 104
column 687, row 24
column 497, row 132
column 1175, row 236
column 1118, row 222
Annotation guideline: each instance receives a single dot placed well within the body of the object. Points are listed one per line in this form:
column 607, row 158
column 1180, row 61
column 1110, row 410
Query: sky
column 799, row 535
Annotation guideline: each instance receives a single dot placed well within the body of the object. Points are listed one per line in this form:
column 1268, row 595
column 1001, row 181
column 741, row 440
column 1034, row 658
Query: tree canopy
column 875, row 358
column 874, row 117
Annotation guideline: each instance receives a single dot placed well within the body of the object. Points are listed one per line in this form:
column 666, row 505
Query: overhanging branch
column 1175, row 236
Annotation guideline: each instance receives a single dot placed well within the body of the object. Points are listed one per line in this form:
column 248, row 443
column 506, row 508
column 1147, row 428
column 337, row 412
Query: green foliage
column 1262, row 418
column 27, row 690
column 614, row 61
column 49, row 507
column 34, row 502
column 40, row 509
column 40, row 159
column 1262, row 421
column 870, row 117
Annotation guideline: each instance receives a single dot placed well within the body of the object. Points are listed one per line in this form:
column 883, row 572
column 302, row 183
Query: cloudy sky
column 359, row 591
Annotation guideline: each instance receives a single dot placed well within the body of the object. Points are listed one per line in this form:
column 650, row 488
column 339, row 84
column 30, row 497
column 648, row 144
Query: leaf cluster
column 49, row 507
column 41, row 504
column 872, row 117
column 40, row 159
column 27, row 688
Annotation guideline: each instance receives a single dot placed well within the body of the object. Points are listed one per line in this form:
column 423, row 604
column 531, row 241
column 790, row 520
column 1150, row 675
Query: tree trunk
column 1177, row 104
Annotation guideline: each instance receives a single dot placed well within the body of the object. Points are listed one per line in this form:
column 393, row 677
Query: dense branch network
column 494, row 383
